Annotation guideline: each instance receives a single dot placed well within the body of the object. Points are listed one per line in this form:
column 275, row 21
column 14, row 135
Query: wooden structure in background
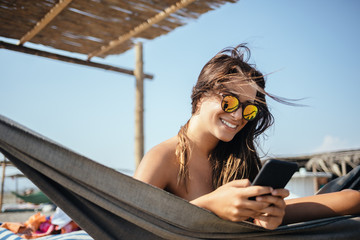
column 337, row 163
column 4, row 163
column 139, row 104
column 63, row 58
column 97, row 29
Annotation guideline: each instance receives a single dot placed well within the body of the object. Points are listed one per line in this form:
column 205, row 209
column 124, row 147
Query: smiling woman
column 217, row 145
column 214, row 157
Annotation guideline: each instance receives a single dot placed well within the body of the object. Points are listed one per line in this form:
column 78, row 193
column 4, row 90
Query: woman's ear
column 199, row 104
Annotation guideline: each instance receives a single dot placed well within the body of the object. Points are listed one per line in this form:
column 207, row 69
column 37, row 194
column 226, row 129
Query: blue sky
column 311, row 49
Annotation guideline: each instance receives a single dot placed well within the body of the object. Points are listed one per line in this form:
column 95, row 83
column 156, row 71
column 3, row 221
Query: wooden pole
column 2, row 183
column 40, row 53
column 139, row 104
column 343, row 167
column 316, row 183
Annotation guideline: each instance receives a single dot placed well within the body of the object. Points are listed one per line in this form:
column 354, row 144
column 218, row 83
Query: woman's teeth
column 228, row 124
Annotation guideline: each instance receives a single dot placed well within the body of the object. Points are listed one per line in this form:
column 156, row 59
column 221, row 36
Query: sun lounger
column 35, row 198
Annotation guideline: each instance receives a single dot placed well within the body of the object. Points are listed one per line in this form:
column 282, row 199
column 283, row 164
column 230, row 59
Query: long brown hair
column 238, row 158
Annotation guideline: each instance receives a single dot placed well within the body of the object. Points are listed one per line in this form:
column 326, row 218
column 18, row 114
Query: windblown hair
column 238, row 158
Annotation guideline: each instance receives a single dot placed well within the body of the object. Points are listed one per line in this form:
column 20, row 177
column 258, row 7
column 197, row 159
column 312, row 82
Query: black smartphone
column 275, row 174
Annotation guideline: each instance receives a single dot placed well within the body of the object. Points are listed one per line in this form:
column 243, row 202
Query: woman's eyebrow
column 250, row 101
column 228, row 92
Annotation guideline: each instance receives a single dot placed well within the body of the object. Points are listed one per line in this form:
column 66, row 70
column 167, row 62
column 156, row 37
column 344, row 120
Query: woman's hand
column 231, row 202
column 272, row 216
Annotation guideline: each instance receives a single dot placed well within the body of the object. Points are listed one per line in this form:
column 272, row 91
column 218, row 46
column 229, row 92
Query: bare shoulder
column 159, row 164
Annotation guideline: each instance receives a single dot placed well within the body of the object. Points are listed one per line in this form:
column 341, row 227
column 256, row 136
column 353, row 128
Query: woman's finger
column 273, row 211
column 254, row 191
column 283, row 193
column 271, row 200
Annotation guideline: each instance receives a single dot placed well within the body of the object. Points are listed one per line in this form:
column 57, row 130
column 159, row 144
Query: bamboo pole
column 61, row 5
column 343, row 167
column 40, row 53
column 316, row 183
column 139, row 104
column 141, row 27
column 2, row 184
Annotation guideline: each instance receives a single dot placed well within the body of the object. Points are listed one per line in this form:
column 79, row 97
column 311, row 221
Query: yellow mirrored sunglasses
column 231, row 103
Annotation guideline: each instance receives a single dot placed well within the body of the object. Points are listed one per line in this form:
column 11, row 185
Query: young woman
column 213, row 159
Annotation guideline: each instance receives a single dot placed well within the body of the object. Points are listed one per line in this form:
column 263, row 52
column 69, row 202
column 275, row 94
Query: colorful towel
column 8, row 235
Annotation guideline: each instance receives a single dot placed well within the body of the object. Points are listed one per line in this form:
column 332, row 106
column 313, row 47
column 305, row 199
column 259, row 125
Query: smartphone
column 275, row 174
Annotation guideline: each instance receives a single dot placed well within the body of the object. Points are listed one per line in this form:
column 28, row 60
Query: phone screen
column 275, row 174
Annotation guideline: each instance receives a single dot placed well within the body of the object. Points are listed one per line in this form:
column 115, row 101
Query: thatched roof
column 337, row 163
column 96, row 27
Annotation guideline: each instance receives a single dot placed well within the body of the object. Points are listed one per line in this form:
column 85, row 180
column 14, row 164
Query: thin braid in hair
column 182, row 153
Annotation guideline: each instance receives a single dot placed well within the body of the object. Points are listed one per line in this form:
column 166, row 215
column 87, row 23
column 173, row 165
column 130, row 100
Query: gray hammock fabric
column 111, row 205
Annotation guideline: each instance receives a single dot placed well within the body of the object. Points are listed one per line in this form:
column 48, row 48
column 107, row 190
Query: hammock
column 110, row 205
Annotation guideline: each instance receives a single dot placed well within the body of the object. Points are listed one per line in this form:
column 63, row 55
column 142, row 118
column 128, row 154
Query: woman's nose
column 237, row 115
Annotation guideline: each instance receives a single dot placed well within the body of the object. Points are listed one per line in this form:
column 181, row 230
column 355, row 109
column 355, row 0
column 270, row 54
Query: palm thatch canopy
column 96, row 27
column 338, row 163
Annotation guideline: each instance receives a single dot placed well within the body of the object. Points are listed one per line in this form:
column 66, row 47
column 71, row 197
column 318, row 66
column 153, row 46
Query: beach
column 17, row 216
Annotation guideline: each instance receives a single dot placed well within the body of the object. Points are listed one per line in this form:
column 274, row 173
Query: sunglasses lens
column 250, row 112
column 230, row 104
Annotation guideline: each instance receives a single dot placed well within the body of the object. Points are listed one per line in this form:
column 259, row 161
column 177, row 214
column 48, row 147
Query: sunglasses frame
column 242, row 105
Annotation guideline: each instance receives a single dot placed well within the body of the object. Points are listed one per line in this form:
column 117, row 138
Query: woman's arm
column 346, row 202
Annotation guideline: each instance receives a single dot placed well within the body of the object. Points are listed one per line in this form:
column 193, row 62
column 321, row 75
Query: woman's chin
column 226, row 138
